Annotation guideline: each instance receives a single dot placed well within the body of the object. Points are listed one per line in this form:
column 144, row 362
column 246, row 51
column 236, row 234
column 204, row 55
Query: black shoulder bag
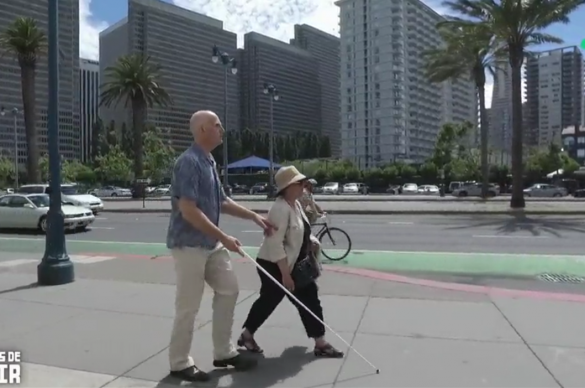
column 306, row 269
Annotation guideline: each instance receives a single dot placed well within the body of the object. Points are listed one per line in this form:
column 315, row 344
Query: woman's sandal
column 250, row 345
column 327, row 351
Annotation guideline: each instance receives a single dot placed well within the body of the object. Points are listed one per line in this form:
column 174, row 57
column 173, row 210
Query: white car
column 331, row 188
column 162, row 190
column 354, row 188
column 111, row 191
column 29, row 211
column 474, row 190
column 410, row 189
column 69, row 194
column 545, row 190
column 428, row 190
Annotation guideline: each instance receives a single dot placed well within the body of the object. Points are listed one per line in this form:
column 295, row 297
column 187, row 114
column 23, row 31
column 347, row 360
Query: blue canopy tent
column 252, row 162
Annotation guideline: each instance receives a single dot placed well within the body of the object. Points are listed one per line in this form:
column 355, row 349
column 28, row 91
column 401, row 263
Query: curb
column 389, row 212
column 379, row 199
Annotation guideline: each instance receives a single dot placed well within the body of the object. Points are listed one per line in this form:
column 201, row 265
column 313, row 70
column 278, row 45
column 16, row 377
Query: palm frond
column 134, row 78
column 24, row 40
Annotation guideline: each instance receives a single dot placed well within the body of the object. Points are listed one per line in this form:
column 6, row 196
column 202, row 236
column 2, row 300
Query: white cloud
column 89, row 30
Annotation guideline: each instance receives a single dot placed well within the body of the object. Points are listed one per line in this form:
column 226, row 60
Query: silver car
column 29, row 211
column 409, row 189
column 545, row 190
column 474, row 190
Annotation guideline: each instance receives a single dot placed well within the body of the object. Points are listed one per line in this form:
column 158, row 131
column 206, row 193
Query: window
column 4, row 201
column 581, row 140
column 581, row 153
column 32, row 189
column 18, row 201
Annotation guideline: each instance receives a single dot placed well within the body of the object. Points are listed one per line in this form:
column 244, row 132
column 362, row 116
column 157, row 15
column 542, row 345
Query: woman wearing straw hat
column 284, row 255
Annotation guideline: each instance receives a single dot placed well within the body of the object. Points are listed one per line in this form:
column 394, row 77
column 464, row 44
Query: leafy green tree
column 44, row 168
column 24, row 40
column 158, row 155
column 428, row 171
column 6, row 171
column 352, row 174
column 469, row 52
column 541, row 162
column 519, row 25
column 450, row 143
column 97, row 131
column 115, row 166
column 136, row 80
column 74, row 171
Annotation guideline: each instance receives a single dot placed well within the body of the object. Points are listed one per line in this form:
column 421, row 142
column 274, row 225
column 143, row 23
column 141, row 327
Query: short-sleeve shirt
column 194, row 178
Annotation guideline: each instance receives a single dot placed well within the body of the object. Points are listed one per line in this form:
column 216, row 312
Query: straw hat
column 286, row 176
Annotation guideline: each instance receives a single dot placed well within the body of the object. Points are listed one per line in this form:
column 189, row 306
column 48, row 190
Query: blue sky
column 274, row 18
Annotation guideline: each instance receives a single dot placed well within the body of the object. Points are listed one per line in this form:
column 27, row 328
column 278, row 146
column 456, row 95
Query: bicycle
column 329, row 232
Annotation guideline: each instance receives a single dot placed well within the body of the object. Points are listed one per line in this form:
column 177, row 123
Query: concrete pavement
column 114, row 333
column 376, row 207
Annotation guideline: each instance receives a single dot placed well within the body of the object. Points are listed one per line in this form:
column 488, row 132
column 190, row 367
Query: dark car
column 394, row 189
column 579, row 193
column 259, row 188
column 240, row 189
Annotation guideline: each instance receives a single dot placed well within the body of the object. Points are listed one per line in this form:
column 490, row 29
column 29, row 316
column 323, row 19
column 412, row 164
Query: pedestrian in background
column 280, row 255
column 201, row 251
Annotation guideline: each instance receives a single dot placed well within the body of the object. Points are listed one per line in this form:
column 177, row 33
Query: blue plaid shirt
column 194, row 178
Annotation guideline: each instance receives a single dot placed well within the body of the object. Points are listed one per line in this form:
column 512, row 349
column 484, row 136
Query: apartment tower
column 89, row 77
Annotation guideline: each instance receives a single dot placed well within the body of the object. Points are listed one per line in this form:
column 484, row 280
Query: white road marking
column 80, row 259
column 400, row 223
column 504, row 236
column 102, row 227
column 101, row 218
column 14, row 263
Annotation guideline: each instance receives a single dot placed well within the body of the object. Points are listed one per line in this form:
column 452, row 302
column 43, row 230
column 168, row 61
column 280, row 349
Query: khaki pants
column 195, row 267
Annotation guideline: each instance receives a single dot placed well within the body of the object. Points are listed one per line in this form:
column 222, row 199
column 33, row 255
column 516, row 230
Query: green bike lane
column 386, row 261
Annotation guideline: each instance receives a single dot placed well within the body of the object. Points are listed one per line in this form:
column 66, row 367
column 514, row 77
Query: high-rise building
column 554, row 94
column 500, row 118
column 389, row 110
column 89, row 74
column 325, row 49
column 181, row 42
column 10, row 82
column 295, row 74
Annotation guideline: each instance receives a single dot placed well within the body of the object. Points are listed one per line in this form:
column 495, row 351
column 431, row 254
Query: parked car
column 474, row 190
column 259, row 188
column 29, row 211
column 240, row 189
column 354, row 188
column 409, row 189
column 428, row 190
column 69, row 193
column 331, row 188
column 162, row 191
column 545, row 190
column 111, row 191
column 579, row 193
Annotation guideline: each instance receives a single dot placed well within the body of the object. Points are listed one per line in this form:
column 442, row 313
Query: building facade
column 89, row 77
column 10, row 85
column 554, row 94
column 181, row 42
column 295, row 74
column 573, row 139
column 500, row 118
column 389, row 110
column 325, row 48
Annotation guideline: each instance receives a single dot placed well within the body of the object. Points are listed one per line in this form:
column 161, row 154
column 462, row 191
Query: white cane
column 290, row 294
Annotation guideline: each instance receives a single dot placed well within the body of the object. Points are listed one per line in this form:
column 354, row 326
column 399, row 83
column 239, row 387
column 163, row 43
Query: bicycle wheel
column 335, row 239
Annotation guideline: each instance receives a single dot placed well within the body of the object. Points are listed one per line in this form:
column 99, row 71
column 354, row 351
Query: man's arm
column 229, row 206
column 192, row 214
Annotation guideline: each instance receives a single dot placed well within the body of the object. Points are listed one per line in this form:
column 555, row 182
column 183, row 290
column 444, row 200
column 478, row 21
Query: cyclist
column 312, row 210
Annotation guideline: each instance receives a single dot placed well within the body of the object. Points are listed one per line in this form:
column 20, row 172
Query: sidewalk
column 100, row 333
column 379, row 208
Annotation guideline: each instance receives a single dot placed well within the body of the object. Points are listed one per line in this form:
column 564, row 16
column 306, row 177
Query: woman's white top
column 287, row 240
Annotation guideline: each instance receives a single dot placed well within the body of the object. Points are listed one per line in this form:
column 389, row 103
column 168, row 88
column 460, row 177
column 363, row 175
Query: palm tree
column 469, row 51
column 135, row 79
column 519, row 24
column 26, row 42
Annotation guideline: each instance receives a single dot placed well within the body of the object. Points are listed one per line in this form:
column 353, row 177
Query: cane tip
column 377, row 371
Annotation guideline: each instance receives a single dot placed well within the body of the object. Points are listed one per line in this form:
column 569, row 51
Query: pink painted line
column 390, row 277
column 469, row 288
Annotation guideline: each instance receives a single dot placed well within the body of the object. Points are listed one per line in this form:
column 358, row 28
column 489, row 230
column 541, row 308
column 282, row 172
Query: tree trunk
column 27, row 79
column 517, row 200
column 484, row 130
column 138, row 120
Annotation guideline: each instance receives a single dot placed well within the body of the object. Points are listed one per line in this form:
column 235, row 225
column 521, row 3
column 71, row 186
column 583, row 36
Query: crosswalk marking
column 14, row 263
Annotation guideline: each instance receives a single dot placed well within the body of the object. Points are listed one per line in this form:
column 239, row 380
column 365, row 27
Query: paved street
column 380, row 207
column 111, row 329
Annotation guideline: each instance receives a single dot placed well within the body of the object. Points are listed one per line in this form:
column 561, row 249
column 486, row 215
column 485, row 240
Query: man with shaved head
column 201, row 250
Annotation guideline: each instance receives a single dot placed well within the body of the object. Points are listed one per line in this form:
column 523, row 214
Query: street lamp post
column 230, row 66
column 15, row 113
column 272, row 92
column 55, row 268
